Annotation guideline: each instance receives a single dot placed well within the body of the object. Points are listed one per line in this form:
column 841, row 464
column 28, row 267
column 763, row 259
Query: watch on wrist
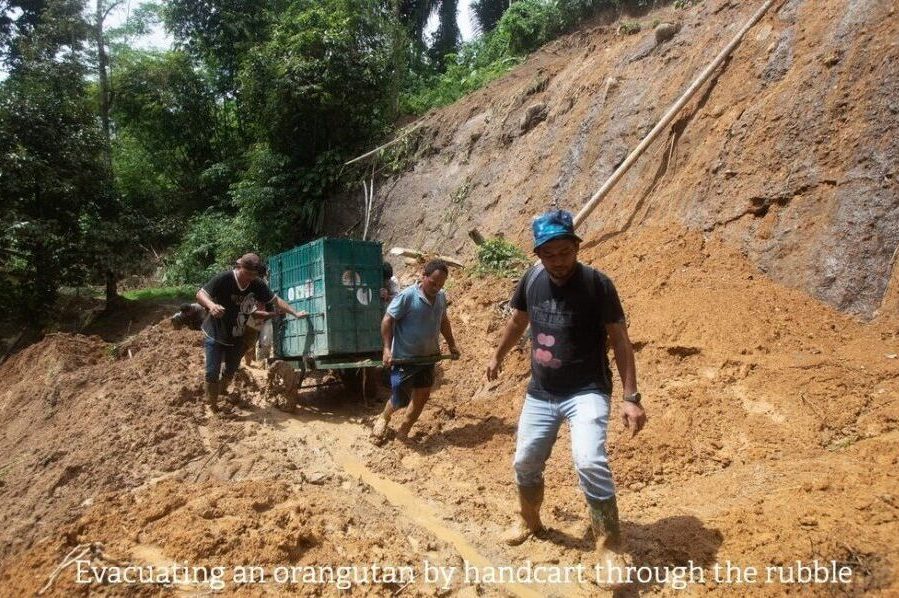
column 634, row 398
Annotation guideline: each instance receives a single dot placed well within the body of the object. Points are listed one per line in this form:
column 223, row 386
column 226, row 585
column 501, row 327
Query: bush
column 629, row 28
column 524, row 26
column 498, row 257
column 528, row 24
column 478, row 63
column 210, row 244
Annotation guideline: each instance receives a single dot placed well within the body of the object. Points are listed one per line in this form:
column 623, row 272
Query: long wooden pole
column 669, row 116
column 397, row 139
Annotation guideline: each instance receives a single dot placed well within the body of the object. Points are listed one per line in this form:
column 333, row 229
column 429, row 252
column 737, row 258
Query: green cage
column 337, row 281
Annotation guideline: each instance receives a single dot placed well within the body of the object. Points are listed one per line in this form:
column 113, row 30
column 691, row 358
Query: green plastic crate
column 338, row 282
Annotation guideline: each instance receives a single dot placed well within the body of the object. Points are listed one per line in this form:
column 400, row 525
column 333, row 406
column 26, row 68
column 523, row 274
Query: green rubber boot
column 212, row 395
column 604, row 521
column 611, row 560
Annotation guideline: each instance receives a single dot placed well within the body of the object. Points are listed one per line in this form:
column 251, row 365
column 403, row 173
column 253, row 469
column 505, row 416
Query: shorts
column 404, row 378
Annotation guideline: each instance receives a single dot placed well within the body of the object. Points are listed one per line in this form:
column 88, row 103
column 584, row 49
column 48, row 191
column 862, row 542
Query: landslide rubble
column 790, row 151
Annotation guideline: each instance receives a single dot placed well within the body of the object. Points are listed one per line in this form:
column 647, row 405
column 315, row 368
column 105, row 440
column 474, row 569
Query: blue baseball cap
column 556, row 224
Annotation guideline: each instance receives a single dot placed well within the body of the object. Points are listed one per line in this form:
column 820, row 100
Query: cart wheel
column 282, row 385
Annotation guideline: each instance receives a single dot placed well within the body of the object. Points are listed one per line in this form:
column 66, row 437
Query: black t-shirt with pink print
column 238, row 303
column 568, row 334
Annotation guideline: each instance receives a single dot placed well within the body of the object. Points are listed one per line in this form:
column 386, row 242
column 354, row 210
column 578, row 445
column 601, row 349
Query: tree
column 50, row 157
column 447, row 37
column 324, row 81
column 487, row 13
column 414, row 14
column 101, row 12
column 220, row 33
column 37, row 29
column 168, row 132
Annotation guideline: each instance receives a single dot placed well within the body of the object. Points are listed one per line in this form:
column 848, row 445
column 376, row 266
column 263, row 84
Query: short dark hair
column 388, row 270
column 185, row 307
column 252, row 262
column 435, row 265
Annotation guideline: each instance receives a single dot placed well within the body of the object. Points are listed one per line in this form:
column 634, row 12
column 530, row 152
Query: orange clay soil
column 772, row 438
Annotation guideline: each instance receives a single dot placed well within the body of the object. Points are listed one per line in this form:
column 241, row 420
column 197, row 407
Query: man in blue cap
column 572, row 310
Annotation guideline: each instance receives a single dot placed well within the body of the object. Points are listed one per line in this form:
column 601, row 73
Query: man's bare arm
column 516, row 326
column 624, row 356
column 203, row 298
column 284, row 306
column 447, row 331
column 387, row 338
column 633, row 415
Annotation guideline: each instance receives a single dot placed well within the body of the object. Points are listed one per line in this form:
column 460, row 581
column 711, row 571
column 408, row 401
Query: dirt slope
column 773, row 415
column 772, row 438
column 790, row 151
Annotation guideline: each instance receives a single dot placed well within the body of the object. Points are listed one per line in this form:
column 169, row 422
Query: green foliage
column 629, row 28
column 458, row 201
column 161, row 100
column 44, row 31
column 524, row 26
column 414, row 15
column 399, row 157
column 221, row 33
column 477, row 64
column 53, row 174
column 528, row 24
column 324, row 80
column 166, row 123
column 279, row 206
column 447, row 36
column 210, row 244
column 235, row 140
column 499, row 257
column 487, row 13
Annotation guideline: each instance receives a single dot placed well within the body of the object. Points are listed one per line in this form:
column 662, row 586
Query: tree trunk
column 103, row 75
column 112, row 294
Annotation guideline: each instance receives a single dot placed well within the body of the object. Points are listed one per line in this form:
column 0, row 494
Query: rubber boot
column 226, row 384
column 232, row 400
column 379, row 429
column 530, row 499
column 212, row 395
column 609, row 546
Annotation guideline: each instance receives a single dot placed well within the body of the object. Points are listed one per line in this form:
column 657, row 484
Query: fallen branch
column 215, row 455
column 403, row 587
column 395, row 140
column 420, row 255
column 93, row 548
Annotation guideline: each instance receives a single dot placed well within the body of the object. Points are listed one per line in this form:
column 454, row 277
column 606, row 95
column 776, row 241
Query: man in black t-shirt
column 231, row 297
column 572, row 310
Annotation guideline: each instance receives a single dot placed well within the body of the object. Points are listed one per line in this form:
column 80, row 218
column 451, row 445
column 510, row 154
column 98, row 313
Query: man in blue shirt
column 411, row 331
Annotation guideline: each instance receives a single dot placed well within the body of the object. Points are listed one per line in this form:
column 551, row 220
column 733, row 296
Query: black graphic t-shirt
column 568, row 334
column 238, row 304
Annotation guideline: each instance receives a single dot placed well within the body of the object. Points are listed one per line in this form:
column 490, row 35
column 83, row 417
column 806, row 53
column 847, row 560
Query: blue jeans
column 216, row 353
column 588, row 419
